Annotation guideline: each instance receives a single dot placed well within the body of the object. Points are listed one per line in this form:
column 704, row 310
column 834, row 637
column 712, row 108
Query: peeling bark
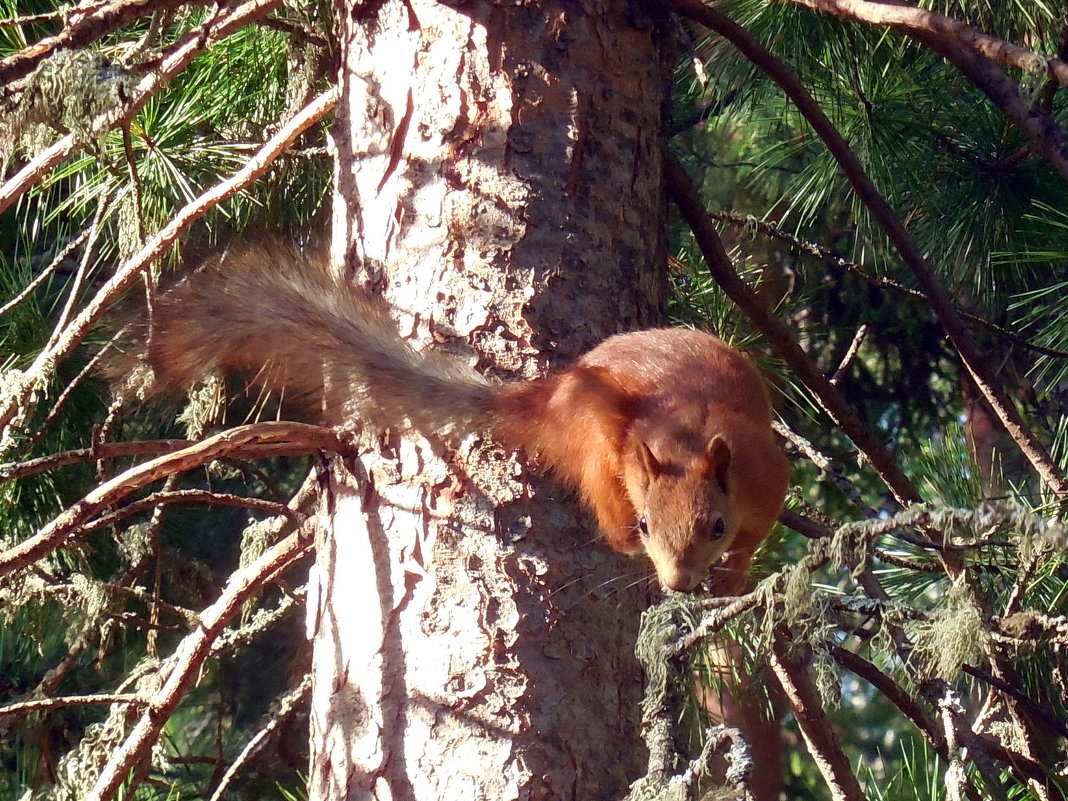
column 499, row 184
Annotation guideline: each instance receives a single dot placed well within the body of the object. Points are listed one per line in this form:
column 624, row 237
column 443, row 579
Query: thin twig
column 80, row 274
column 105, row 450
column 300, row 33
column 66, row 525
column 828, row 256
column 40, row 278
column 185, row 664
column 15, row 403
column 805, row 526
column 976, row 55
column 39, row 704
column 850, row 354
column 55, row 410
column 30, row 19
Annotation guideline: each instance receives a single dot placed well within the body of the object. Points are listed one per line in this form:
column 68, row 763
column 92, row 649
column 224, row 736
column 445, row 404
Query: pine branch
column 912, row 20
column 828, row 256
column 1047, row 137
column 67, row 526
column 185, row 664
column 174, row 60
column 866, row 191
column 13, row 403
column 85, row 24
column 685, row 197
column 977, row 56
column 63, row 701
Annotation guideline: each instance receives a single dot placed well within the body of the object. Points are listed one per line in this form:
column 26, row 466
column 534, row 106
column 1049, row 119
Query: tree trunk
column 499, row 184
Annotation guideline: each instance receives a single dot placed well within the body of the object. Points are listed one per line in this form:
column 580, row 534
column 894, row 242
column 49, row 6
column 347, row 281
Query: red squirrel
column 666, row 433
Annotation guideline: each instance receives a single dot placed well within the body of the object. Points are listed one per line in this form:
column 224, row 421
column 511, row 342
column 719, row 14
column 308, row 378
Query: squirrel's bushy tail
column 278, row 317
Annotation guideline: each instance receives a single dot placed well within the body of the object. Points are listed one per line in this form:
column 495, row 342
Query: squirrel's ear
column 718, row 454
column 650, row 466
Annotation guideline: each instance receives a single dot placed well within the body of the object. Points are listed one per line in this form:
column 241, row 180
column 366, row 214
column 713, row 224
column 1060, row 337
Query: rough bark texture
column 499, row 184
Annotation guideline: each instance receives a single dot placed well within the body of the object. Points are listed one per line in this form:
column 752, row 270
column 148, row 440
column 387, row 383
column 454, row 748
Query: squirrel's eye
column 643, row 526
column 718, row 528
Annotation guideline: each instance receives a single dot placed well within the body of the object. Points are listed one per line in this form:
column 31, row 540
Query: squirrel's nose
column 679, row 578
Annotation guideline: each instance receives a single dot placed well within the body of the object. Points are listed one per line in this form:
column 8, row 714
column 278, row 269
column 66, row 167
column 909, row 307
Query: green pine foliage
column 988, row 214
column 986, row 210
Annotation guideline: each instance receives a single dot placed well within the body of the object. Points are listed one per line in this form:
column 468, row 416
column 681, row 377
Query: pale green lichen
column 136, row 543
column 78, row 770
column 65, row 94
column 953, row 636
column 206, row 407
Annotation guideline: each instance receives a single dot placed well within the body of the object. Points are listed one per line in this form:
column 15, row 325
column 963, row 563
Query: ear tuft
column 649, row 464
column 719, row 460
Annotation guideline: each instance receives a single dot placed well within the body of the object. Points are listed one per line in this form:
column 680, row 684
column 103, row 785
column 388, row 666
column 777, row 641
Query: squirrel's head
column 686, row 520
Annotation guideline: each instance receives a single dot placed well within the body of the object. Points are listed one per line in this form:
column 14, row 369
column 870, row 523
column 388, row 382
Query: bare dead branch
column 185, row 664
column 961, row 745
column 850, row 354
column 87, row 23
column 300, row 33
column 54, row 677
column 1036, row 453
column 104, row 450
column 812, row 720
column 15, row 402
column 196, row 497
column 56, row 409
column 175, row 59
column 912, row 20
column 43, row 704
column 825, row 465
column 1046, row 136
column 114, row 450
column 29, row 19
column 67, row 525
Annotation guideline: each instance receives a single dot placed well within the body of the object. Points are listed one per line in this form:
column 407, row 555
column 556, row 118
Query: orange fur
column 649, row 425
